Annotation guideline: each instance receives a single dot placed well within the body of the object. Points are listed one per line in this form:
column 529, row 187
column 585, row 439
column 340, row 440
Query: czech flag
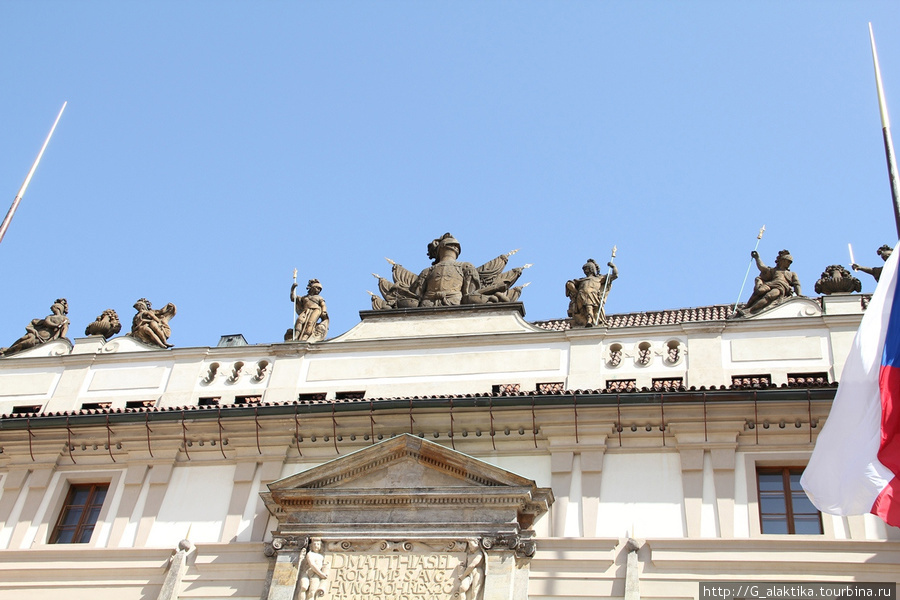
column 855, row 465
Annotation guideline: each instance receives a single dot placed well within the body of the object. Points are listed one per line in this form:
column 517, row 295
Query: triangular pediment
column 403, row 462
column 402, row 483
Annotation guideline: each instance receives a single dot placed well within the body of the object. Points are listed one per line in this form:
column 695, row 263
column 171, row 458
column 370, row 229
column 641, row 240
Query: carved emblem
column 448, row 282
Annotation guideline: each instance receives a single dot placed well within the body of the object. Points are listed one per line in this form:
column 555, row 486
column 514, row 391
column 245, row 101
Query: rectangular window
column 621, row 385
column 783, row 505
column 807, row 379
column 550, row 388
column 310, row 396
column 505, row 388
column 79, row 513
column 751, row 381
column 668, row 384
column 350, row 395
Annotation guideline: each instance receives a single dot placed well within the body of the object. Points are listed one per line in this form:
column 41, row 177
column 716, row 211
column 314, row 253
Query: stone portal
column 405, row 519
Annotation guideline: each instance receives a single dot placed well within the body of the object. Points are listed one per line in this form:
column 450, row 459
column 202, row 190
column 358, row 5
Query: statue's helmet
column 591, row 267
column 784, row 255
column 445, row 241
column 885, row 249
column 314, row 285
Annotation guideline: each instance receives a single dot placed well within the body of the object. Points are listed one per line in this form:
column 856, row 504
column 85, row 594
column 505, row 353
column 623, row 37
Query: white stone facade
column 188, row 438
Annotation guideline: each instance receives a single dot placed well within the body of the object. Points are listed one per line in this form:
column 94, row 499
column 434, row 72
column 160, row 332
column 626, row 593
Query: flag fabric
column 855, row 465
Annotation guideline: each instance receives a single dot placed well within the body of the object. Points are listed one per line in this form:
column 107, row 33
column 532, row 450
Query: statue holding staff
column 773, row 284
column 311, row 323
column 587, row 295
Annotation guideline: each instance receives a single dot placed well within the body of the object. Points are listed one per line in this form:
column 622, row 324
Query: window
column 783, row 505
column 807, row 379
column 621, row 385
column 751, row 381
column 668, row 384
column 79, row 513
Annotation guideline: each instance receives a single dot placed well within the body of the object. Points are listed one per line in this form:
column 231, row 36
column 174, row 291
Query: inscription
column 433, row 576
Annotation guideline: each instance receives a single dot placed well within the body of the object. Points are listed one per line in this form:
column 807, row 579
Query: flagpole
column 12, row 209
column 762, row 230
column 886, row 131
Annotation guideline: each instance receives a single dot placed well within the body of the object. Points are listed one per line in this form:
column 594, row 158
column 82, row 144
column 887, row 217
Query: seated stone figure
column 152, row 326
column 40, row 331
column 773, row 285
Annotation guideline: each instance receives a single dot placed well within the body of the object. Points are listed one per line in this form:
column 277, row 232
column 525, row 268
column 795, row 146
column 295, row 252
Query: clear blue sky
column 208, row 148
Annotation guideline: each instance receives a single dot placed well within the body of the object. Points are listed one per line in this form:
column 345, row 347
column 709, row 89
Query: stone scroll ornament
column 152, row 326
column 836, row 279
column 310, row 314
column 587, row 295
column 773, row 285
column 40, row 331
column 448, row 282
column 106, row 325
column 884, row 252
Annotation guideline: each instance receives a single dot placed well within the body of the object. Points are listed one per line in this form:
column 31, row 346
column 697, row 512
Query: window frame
column 785, row 471
column 90, row 506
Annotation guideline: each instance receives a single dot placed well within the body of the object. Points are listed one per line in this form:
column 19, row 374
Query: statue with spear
column 587, row 295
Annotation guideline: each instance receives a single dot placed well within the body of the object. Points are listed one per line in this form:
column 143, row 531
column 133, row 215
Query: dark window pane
column 774, row 525
column 807, row 524
column 772, row 504
column 771, row 482
column 73, row 515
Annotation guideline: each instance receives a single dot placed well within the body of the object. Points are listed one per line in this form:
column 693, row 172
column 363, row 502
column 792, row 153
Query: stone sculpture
column 836, row 279
column 311, row 324
column 40, row 331
column 587, row 295
column 313, row 572
column 471, row 578
column 885, row 253
column 107, row 324
column 773, row 285
column 152, row 326
column 448, row 282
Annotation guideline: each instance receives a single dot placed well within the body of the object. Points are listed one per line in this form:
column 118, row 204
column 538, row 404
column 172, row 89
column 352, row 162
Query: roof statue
column 152, row 326
column 837, row 279
column 311, row 322
column 107, row 324
column 773, row 285
column 587, row 295
column 885, row 253
column 448, row 282
column 40, row 331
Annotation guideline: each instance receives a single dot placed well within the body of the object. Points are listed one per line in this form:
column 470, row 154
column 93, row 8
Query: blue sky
column 208, row 148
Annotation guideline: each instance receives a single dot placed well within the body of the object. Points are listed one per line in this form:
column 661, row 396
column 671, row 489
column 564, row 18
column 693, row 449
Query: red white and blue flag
column 855, row 465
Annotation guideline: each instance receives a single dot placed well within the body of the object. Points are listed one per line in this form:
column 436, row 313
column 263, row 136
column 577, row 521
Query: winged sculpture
column 448, row 282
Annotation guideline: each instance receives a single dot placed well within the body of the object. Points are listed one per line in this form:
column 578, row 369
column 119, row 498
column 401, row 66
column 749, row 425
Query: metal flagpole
column 747, row 274
column 886, row 131
column 12, row 209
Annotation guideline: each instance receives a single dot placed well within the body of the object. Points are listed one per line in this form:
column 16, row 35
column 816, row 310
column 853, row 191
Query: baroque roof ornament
column 40, row 331
column 152, row 326
column 448, row 282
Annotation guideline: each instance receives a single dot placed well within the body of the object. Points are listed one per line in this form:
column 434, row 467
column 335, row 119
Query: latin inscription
column 356, row 576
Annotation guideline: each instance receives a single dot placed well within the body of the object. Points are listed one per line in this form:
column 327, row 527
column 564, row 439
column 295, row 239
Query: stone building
column 640, row 457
